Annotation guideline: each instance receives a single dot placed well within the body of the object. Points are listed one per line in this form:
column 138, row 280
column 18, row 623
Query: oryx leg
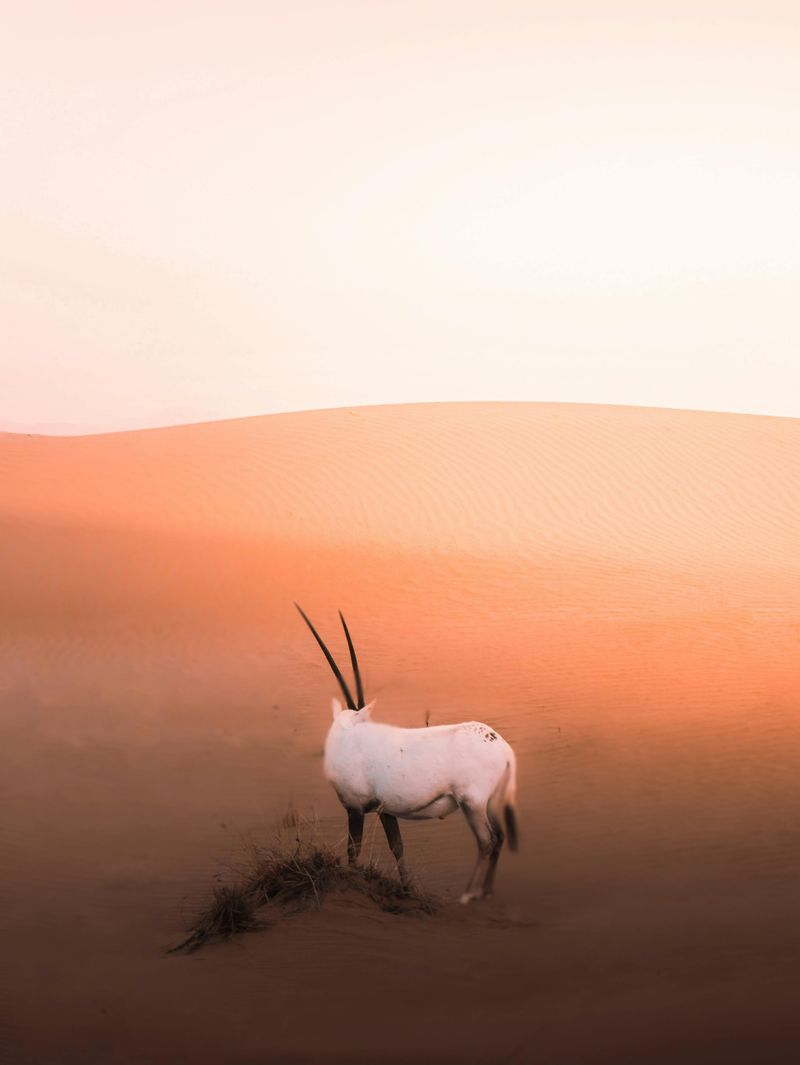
column 499, row 836
column 478, row 821
column 355, row 830
column 395, row 840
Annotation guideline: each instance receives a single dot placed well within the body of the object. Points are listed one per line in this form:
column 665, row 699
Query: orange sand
column 616, row 589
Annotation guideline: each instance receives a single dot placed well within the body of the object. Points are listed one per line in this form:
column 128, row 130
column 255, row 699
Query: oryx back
column 415, row 773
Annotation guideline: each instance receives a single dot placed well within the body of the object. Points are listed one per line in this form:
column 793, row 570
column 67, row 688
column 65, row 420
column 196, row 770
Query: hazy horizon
column 72, row 430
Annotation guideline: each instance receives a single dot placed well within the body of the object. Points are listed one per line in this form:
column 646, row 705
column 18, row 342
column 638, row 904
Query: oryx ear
column 366, row 711
column 336, row 707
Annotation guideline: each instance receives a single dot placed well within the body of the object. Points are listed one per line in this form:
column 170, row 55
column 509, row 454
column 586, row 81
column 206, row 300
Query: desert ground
column 616, row 590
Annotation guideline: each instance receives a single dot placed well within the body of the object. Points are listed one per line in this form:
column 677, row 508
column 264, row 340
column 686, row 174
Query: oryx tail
column 504, row 797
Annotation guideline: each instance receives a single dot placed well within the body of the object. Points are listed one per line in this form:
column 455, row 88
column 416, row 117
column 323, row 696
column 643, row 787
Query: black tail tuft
column 511, row 825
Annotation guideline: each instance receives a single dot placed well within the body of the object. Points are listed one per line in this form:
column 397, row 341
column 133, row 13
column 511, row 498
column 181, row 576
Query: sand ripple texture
column 641, row 484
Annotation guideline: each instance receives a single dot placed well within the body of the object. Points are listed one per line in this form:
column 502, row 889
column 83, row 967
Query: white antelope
column 419, row 773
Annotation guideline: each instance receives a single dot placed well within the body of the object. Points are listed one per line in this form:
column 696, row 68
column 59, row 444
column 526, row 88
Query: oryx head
column 354, row 709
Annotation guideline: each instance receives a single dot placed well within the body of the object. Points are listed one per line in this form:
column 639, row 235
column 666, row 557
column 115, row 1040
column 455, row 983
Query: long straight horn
column 354, row 660
column 348, row 698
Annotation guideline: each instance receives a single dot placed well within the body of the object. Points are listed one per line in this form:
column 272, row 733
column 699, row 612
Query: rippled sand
column 617, row 590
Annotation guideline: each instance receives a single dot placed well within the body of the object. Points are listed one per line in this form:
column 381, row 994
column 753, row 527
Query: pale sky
column 218, row 210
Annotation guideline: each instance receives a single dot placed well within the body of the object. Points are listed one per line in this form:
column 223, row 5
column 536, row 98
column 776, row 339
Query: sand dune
column 535, row 479
column 616, row 589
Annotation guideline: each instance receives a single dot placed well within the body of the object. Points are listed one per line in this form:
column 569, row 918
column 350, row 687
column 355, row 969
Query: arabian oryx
column 418, row 773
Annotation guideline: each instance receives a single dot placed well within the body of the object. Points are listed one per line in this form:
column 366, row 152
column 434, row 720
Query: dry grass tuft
column 290, row 880
column 230, row 911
